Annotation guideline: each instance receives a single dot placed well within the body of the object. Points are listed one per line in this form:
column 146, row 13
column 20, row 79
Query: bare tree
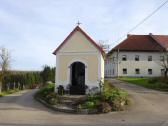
column 5, row 60
column 104, row 45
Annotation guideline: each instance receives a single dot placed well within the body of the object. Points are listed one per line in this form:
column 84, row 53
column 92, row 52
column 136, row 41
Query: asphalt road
column 150, row 108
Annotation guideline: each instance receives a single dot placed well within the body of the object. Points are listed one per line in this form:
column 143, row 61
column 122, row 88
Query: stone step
column 64, row 108
column 72, row 100
column 67, row 102
column 73, row 97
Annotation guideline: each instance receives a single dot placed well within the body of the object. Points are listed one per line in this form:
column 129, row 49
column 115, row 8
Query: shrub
column 43, row 92
column 47, row 94
column 104, row 107
column 48, row 74
column 115, row 93
column 1, row 94
column 111, row 98
column 153, row 80
column 12, row 91
column 114, row 96
column 118, row 105
column 52, row 98
column 89, row 105
column 108, row 85
column 92, row 102
column 93, row 97
column 128, row 101
column 47, row 89
column 163, row 80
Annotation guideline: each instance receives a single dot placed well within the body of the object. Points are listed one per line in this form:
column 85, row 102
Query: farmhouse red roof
column 161, row 39
column 77, row 28
column 143, row 43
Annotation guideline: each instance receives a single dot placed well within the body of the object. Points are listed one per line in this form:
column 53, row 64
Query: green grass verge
column 151, row 83
column 11, row 91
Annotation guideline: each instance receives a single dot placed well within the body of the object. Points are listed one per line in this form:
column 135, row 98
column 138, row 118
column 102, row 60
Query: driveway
column 150, row 108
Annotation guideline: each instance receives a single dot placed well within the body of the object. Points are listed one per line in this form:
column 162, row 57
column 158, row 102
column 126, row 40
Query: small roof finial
column 78, row 23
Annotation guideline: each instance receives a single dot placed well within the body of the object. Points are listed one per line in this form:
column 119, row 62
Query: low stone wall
column 66, row 109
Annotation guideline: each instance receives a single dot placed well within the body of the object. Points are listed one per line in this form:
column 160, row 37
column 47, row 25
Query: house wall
column 91, row 62
column 116, row 64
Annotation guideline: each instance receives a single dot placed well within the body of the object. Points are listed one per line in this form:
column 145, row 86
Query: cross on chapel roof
column 78, row 23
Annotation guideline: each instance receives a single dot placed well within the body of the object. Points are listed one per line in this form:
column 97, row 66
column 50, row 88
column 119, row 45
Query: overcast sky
column 32, row 29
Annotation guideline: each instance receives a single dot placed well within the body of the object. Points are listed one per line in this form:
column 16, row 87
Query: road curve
column 150, row 108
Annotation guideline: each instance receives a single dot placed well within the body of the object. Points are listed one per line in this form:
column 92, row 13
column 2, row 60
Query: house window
column 136, row 58
column 137, row 71
column 162, row 71
column 124, row 71
column 149, row 58
column 161, row 58
column 124, row 58
column 150, row 71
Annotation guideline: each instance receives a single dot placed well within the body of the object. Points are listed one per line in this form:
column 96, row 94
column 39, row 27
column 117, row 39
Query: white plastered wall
column 143, row 64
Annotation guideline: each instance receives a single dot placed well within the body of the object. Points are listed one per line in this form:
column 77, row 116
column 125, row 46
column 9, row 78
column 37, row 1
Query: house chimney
column 128, row 35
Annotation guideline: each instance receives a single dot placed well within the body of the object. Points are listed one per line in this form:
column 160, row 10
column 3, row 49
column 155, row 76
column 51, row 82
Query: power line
column 142, row 21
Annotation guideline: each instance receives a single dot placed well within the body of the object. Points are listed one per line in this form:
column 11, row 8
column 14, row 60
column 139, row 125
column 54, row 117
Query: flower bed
column 110, row 99
column 47, row 94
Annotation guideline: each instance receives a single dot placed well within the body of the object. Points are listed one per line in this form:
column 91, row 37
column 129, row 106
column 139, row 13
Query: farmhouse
column 138, row 56
column 79, row 63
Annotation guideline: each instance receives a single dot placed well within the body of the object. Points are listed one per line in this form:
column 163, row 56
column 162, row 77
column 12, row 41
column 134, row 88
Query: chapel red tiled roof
column 143, row 43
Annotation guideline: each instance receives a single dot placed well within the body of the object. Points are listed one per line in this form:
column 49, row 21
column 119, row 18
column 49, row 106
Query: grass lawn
column 8, row 92
column 151, row 83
